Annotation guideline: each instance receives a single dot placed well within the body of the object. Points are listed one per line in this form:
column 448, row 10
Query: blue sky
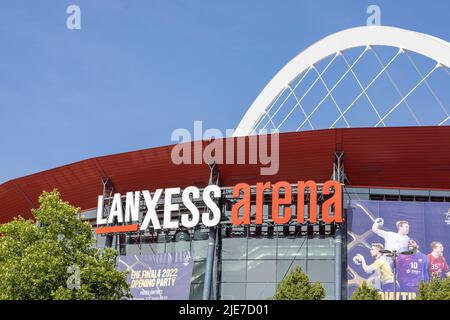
column 139, row 69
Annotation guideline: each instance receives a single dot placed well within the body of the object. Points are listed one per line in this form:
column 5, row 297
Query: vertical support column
column 122, row 244
column 108, row 192
column 338, row 263
column 209, row 264
column 338, row 175
column 213, row 179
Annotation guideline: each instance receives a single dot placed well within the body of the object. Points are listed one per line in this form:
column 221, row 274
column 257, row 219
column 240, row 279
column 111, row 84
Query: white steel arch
column 367, row 36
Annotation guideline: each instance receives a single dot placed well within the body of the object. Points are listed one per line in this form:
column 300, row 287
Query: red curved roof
column 407, row 157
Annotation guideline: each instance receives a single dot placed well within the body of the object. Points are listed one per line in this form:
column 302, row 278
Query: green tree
column 365, row 292
column 434, row 289
column 54, row 258
column 296, row 286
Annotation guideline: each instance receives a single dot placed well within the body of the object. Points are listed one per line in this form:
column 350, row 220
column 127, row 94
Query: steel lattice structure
column 361, row 77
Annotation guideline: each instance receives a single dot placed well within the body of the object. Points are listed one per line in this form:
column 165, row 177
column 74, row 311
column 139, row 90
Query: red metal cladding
column 397, row 157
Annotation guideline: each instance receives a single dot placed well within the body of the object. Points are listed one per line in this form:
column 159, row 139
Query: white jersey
column 394, row 241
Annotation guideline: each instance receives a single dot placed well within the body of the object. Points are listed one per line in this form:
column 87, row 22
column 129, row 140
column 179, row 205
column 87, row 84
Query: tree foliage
column 365, row 292
column 296, row 286
column 434, row 289
column 54, row 257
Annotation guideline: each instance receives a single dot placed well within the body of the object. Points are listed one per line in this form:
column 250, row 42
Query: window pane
column 261, row 271
column 356, row 190
column 178, row 246
column 132, row 249
column 198, row 272
column 232, row 291
column 153, row 248
column 266, row 209
column 260, row 291
column 183, row 246
column 440, row 193
column 357, row 196
column 262, row 248
column 291, row 248
column 321, row 270
column 329, row 291
column 415, row 192
column 101, row 241
column 234, row 271
column 170, row 246
column 234, row 248
column 384, row 191
column 91, row 214
column 321, row 248
column 200, row 249
column 284, row 267
column 196, row 292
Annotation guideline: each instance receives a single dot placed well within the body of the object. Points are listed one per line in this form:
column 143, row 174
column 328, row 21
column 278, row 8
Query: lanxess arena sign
column 126, row 217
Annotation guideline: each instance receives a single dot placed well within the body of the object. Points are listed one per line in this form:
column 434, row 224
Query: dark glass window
column 153, row 248
column 321, row 270
column 234, row 271
column 234, row 248
column 262, row 248
column 329, row 290
column 284, row 267
column 261, row 271
column 232, row 291
column 196, row 291
column 321, row 248
column 260, row 291
column 291, row 248
column 200, row 249
column 198, row 272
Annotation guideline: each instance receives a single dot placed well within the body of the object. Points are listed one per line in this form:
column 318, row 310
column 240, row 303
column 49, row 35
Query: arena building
column 251, row 260
column 379, row 167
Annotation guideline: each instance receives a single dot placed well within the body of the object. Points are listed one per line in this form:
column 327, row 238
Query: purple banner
column 165, row 276
column 418, row 231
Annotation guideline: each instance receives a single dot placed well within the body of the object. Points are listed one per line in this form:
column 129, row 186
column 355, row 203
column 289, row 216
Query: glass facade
column 248, row 268
column 251, row 268
column 251, row 262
